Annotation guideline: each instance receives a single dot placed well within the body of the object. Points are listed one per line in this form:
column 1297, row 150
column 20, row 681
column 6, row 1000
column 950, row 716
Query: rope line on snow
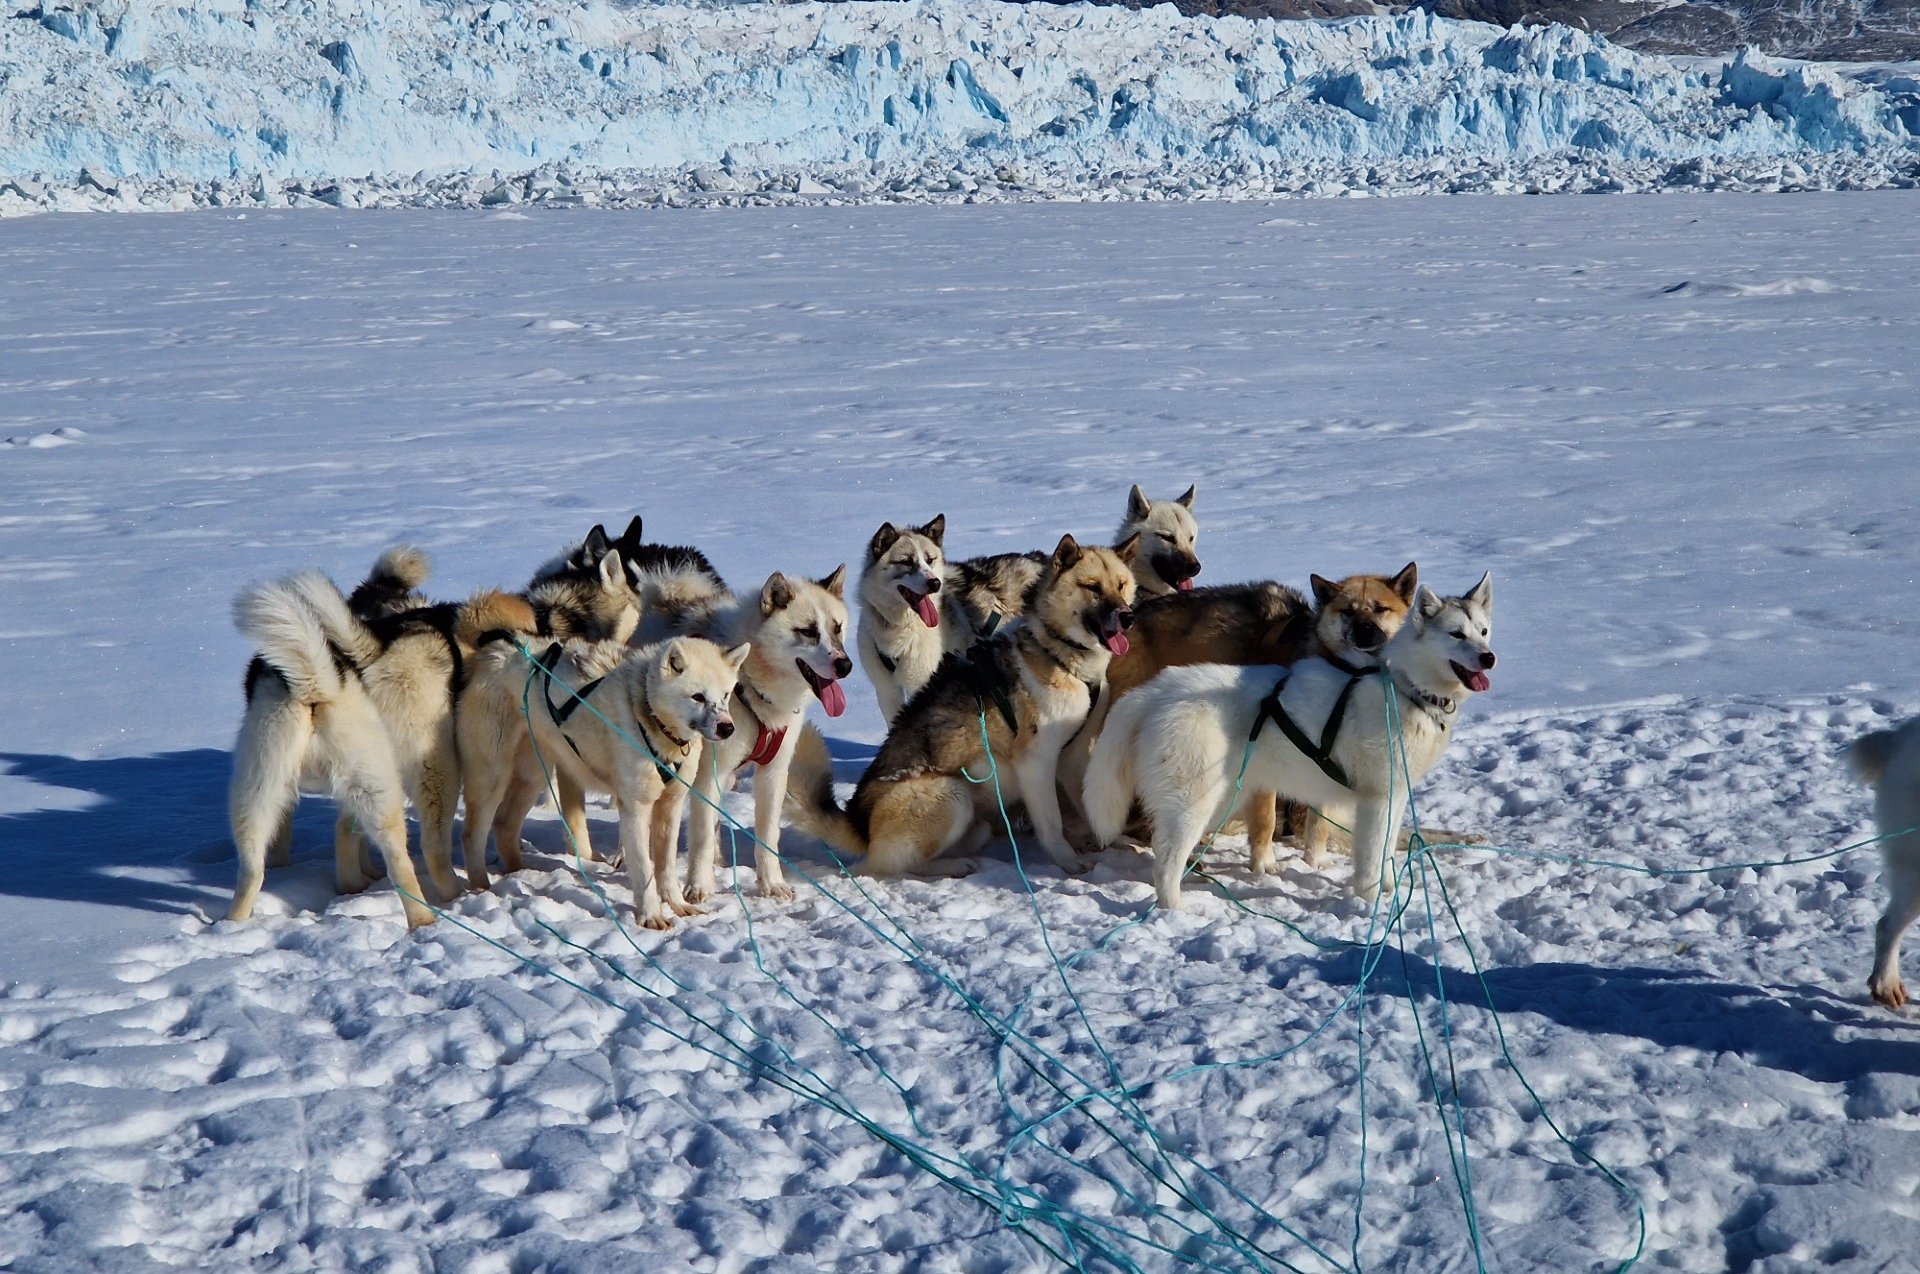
column 1021, row 1206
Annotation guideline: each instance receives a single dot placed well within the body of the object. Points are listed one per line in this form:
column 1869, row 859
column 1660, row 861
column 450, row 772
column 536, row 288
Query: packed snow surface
column 132, row 105
column 1679, row 432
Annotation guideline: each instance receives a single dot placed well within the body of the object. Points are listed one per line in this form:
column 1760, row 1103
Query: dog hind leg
column 1903, row 908
column 266, row 784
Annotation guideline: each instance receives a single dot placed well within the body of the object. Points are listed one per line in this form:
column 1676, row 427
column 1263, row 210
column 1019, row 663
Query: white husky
column 1175, row 744
column 1890, row 761
column 590, row 709
column 798, row 630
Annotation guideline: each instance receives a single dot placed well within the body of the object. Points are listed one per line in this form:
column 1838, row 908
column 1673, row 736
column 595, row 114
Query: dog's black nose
column 724, row 729
column 842, row 666
column 1124, row 618
column 1366, row 634
column 1486, row 659
column 933, row 584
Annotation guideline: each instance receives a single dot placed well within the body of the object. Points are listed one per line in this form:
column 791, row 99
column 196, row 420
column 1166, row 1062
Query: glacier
column 129, row 104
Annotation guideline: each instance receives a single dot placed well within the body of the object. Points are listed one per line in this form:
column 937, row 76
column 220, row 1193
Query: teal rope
column 1000, row 1029
column 1119, row 1089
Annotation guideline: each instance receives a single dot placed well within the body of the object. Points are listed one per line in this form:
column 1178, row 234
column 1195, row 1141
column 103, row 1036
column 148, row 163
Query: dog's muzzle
column 1177, row 570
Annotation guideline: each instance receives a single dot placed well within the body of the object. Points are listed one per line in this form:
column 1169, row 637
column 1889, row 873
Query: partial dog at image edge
column 1176, row 744
column 1889, row 762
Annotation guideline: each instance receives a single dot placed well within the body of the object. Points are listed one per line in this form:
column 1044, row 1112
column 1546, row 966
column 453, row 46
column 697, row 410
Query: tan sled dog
column 1033, row 683
column 593, row 708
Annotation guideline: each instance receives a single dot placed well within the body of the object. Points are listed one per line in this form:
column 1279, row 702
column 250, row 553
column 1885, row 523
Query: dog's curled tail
column 1870, row 754
column 390, row 587
column 1109, row 785
column 811, row 806
column 494, row 615
column 302, row 629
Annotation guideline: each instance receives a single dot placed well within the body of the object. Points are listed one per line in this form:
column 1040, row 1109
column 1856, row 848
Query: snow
column 138, row 106
column 1678, row 431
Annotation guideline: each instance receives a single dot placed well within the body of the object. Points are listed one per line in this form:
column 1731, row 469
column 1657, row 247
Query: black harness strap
column 1321, row 753
column 548, row 662
column 885, row 662
column 551, row 660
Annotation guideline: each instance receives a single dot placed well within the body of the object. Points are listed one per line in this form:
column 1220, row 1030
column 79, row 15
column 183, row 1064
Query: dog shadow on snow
column 1787, row 1028
column 143, row 832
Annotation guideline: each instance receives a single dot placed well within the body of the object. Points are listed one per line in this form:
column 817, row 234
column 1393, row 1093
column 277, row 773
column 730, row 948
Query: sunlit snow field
column 1679, row 430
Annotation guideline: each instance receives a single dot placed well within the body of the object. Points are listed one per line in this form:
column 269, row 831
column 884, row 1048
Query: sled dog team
column 1101, row 673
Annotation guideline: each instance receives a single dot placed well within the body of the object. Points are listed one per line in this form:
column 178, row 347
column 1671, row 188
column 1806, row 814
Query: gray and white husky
column 1175, row 744
column 1889, row 760
column 1003, row 584
column 901, row 636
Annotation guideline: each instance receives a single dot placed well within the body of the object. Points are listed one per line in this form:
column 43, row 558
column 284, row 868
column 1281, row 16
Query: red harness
column 766, row 746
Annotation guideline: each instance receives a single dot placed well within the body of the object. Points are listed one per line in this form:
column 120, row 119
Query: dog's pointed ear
column 1426, row 602
column 1067, row 552
column 1323, row 589
column 882, row 539
column 1138, row 506
column 612, row 571
column 738, row 655
column 595, row 544
column 632, row 534
column 776, row 594
column 1406, row 581
column 1128, row 549
column 1481, row 594
column 936, row 531
column 1186, row 501
column 836, row 582
column 676, row 657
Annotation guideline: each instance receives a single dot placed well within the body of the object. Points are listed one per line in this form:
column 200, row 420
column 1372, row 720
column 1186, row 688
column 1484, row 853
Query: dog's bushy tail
column 1870, row 754
column 811, row 805
column 391, row 586
column 302, row 629
column 492, row 615
column 1110, row 780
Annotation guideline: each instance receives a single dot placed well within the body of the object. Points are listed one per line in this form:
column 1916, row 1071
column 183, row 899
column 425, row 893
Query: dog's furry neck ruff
column 1063, row 650
column 1441, row 709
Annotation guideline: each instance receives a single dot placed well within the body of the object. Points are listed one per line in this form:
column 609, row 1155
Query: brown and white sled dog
column 1266, row 624
column 798, row 631
column 360, row 705
column 1176, row 743
column 589, row 708
column 1889, row 761
column 901, row 604
column 1032, row 683
column 1003, row 584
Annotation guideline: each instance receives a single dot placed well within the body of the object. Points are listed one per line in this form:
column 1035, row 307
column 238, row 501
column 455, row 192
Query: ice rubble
column 274, row 101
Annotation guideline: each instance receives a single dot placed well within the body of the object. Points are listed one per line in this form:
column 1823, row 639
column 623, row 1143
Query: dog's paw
column 699, row 893
column 1891, row 992
column 781, row 892
column 680, row 907
column 351, row 884
column 659, row 922
column 1073, row 864
column 1267, row 864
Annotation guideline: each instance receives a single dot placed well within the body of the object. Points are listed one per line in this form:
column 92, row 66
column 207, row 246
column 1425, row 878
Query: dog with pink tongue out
column 798, row 630
column 1024, row 691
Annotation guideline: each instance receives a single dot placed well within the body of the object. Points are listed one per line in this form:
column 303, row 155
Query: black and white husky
column 1176, row 743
